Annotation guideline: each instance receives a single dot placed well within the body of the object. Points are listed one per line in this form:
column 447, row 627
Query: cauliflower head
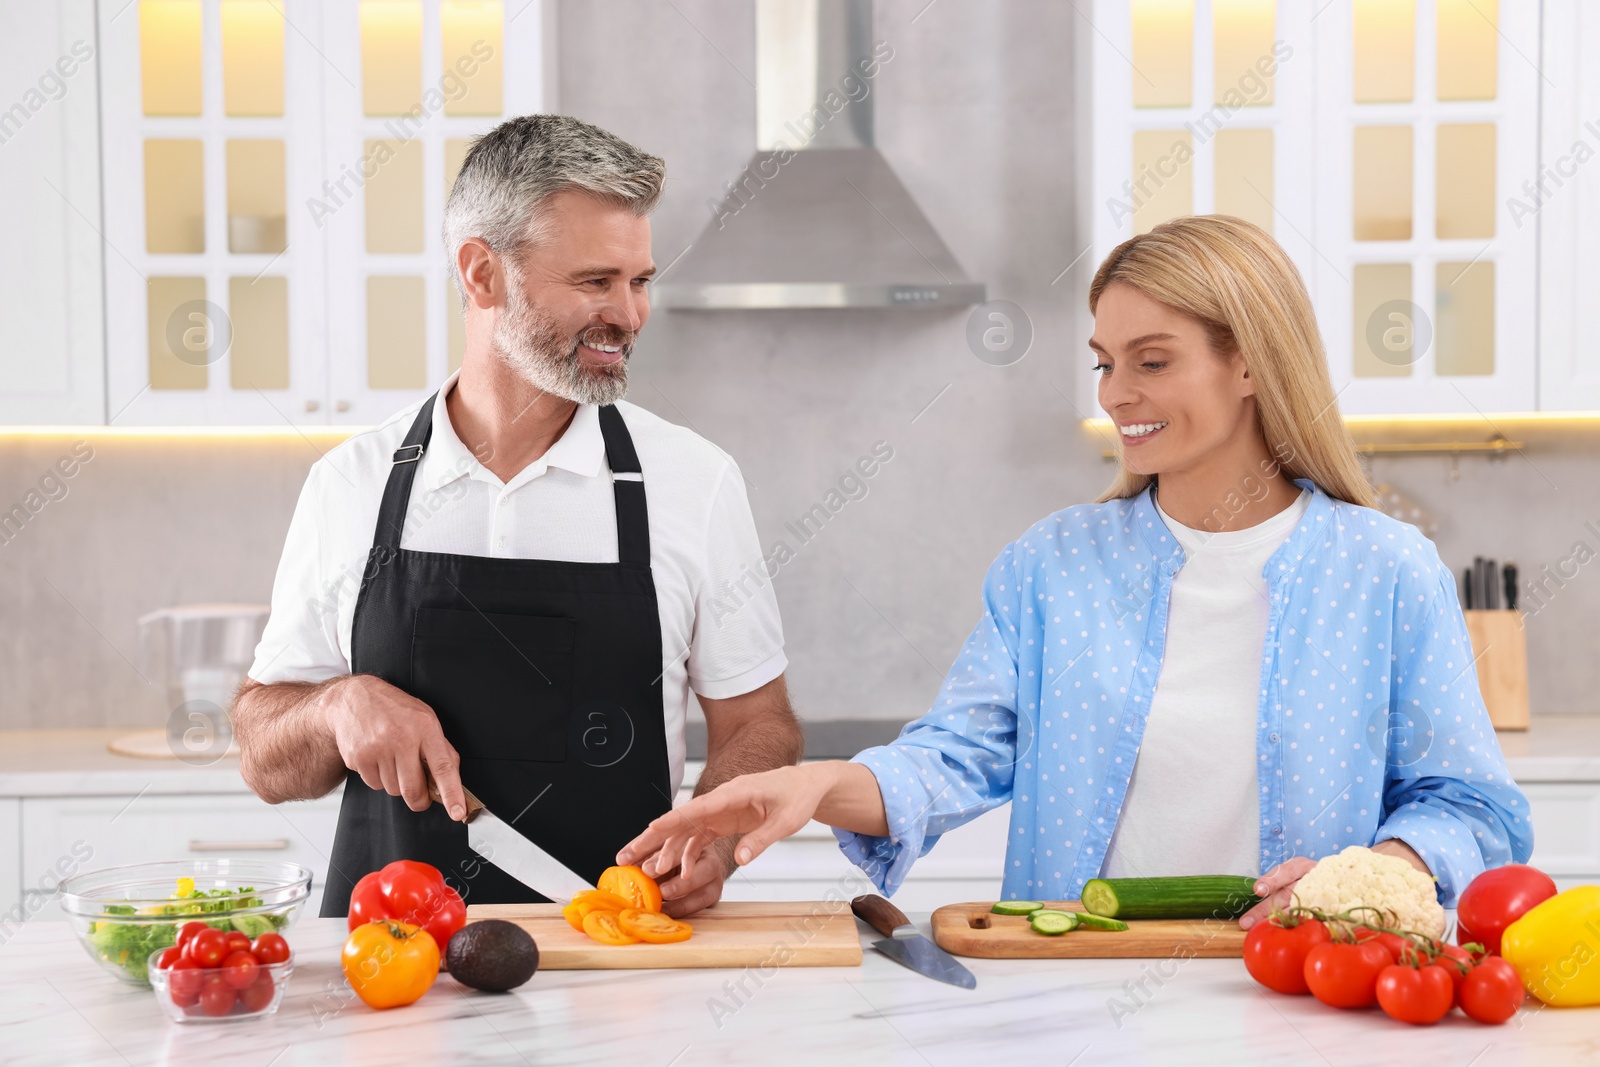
column 1359, row 876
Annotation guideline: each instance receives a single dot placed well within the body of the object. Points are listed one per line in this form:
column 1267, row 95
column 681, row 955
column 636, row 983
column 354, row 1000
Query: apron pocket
column 500, row 684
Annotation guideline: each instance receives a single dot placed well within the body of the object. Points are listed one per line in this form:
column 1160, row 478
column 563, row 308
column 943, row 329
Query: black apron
column 545, row 675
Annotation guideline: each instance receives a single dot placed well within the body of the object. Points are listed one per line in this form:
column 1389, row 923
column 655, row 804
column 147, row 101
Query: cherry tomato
column 257, row 994
column 1457, row 961
column 633, row 885
column 606, row 928
column 1394, row 944
column 390, row 963
column 1345, row 975
column 1496, row 899
column 653, row 927
column 271, row 948
column 237, row 941
column 217, row 996
column 1417, row 995
column 1492, row 992
column 168, row 957
column 184, row 982
column 208, row 947
column 187, row 931
column 1275, row 955
column 239, row 969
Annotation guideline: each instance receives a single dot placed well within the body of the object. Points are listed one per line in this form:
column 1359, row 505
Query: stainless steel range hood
column 816, row 219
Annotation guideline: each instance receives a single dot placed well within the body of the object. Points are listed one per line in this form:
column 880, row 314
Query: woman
column 1229, row 664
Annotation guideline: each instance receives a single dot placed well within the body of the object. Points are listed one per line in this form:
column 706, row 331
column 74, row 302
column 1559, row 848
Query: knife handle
column 879, row 914
column 474, row 805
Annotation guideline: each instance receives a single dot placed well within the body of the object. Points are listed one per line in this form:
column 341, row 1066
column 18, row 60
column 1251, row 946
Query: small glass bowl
column 195, row 1012
column 126, row 915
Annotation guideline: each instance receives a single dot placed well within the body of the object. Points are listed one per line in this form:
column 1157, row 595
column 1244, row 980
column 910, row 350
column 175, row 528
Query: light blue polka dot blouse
column 1369, row 725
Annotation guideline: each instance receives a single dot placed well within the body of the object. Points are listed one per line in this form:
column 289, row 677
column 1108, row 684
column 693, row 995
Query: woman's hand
column 1276, row 887
column 764, row 807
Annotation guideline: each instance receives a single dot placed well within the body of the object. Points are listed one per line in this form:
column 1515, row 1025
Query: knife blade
column 498, row 842
column 905, row 946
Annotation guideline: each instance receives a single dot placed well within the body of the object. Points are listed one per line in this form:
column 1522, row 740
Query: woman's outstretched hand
column 764, row 807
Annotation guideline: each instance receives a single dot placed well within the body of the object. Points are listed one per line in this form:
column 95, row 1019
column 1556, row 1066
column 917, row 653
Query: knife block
column 1500, row 649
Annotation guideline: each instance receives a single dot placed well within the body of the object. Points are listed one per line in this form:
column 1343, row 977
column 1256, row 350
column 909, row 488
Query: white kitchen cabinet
column 94, row 832
column 344, row 310
column 1566, row 206
column 1389, row 157
column 50, row 258
column 1566, row 824
column 10, row 858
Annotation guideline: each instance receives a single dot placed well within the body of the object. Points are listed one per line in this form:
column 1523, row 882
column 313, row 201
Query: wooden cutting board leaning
column 791, row 933
column 971, row 930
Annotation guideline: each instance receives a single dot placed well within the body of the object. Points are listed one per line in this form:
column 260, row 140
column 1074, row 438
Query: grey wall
column 975, row 113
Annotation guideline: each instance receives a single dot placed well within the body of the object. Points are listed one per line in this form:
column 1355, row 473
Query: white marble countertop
column 76, row 762
column 57, row 1007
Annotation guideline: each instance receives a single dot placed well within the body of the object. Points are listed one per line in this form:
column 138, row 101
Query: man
column 509, row 586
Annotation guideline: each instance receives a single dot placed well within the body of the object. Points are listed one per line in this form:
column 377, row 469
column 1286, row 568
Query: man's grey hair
column 511, row 171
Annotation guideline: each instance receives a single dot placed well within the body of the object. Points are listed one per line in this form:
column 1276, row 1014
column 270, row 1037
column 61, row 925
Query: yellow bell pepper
column 1555, row 948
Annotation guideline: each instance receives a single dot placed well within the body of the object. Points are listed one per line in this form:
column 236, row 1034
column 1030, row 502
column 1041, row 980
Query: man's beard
column 531, row 342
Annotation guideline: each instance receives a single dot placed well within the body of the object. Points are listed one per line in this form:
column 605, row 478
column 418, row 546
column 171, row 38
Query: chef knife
column 905, row 946
column 496, row 841
column 1510, row 573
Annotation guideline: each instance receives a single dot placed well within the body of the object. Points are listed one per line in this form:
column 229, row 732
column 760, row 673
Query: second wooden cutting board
column 971, row 930
column 795, row 933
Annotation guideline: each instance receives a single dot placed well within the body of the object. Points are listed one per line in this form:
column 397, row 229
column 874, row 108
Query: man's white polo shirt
column 702, row 546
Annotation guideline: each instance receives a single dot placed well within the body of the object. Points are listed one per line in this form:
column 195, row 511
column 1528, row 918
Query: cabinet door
column 211, row 130
column 1566, row 828
column 10, row 859
column 89, row 833
column 1566, row 205
column 424, row 78
column 50, row 267
column 1427, row 129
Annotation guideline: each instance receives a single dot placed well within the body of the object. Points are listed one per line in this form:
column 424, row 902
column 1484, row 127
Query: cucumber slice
column 1053, row 923
column 1197, row 896
column 1016, row 907
column 1099, row 922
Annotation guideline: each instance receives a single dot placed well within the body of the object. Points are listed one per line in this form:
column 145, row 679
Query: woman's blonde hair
column 1233, row 278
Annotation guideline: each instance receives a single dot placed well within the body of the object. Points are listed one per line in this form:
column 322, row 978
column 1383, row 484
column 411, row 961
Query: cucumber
column 1098, row 922
column 1194, row 896
column 1016, row 907
column 1053, row 923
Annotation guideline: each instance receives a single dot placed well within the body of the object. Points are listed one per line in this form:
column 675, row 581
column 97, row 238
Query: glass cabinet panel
column 256, row 217
column 259, row 311
column 1163, row 60
column 1241, row 32
column 1383, row 50
column 396, row 341
column 1381, row 183
column 1244, row 175
column 174, row 196
column 1464, row 318
column 169, row 56
column 182, row 335
column 1163, row 177
column 252, row 57
column 391, row 56
column 469, row 32
column 1464, row 187
column 1467, row 46
column 394, row 196
column 1387, row 335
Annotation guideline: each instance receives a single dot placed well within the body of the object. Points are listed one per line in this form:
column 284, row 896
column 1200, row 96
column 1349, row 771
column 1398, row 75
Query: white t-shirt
column 720, row 631
column 1191, row 805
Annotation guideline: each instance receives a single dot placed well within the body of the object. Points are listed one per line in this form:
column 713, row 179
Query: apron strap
column 397, row 491
column 633, row 521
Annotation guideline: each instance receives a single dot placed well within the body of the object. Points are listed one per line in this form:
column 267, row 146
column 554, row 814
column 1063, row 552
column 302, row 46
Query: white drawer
column 1566, row 827
column 65, row 835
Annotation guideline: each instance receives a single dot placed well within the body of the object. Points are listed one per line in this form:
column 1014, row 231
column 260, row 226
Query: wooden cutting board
column 795, row 933
column 971, row 930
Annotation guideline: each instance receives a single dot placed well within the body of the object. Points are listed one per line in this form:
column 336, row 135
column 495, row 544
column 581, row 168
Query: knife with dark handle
column 905, row 946
column 1510, row 573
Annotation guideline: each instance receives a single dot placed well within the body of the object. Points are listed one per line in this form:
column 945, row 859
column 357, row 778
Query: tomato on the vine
column 1417, row 995
column 1492, row 992
column 1345, row 975
column 1275, row 953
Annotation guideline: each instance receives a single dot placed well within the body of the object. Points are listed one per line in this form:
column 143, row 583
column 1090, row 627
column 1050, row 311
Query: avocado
column 492, row 955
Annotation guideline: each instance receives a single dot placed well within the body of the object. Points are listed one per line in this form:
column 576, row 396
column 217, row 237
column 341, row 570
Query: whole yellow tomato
column 390, row 963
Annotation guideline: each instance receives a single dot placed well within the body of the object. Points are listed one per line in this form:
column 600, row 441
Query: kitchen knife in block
column 499, row 843
column 907, row 947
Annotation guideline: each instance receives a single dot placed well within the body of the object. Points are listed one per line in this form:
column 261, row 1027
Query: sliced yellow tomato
column 600, row 897
column 604, row 928
column 653, row 927
column 632, row 884
column 573, row 916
